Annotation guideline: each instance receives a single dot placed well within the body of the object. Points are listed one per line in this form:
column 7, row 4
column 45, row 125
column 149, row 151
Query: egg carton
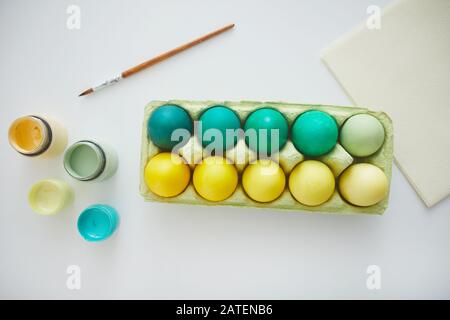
column 337, row 159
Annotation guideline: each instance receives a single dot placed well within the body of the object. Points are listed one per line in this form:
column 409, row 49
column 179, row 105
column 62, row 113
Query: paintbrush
column 155, row 60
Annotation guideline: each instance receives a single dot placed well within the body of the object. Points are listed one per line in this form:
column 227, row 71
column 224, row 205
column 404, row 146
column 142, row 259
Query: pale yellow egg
column 363, row 184
column 263, row 180
column 311, row 183
column 215, row 178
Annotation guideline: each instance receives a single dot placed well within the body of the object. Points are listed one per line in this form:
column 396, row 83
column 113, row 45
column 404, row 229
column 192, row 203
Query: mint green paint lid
column 84, row 160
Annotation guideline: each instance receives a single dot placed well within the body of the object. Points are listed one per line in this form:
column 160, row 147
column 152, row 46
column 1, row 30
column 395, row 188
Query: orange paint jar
column 37, row 135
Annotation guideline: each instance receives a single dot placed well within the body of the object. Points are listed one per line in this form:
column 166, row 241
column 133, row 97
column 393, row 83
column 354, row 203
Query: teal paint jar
column 89, row 160
column 97, row 222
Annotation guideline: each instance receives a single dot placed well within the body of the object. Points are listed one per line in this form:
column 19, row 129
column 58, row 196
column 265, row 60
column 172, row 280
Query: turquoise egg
column 314, row 133
column 164, row 121
column 268, row 119
column 224, row 121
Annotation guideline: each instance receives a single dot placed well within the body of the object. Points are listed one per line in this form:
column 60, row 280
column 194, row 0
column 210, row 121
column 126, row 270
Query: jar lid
column 30, row 135
column 97, row 222
column 84, row 160
column 49, row 196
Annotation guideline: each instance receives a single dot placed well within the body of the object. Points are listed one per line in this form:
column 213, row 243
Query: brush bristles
column 88, row 91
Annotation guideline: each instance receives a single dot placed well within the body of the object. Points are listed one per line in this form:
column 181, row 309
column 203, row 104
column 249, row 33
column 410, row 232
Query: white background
column 174, row 251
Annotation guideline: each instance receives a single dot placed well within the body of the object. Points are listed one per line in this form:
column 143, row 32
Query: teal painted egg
column 314, row 133
column 164, row 121
column 219, row 126
column 266, row 131
column 362, row 135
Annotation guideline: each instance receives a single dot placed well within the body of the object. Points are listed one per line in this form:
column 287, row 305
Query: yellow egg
column 215, row 178
column 167, row 175
column 311, row 183
column 263, row 180
column 363, row 184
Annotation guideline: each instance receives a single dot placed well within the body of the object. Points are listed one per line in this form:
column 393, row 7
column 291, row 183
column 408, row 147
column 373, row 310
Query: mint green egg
column 362, row 135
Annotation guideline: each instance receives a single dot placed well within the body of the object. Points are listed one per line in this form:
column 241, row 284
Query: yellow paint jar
column 50, row 196
column 37, row 135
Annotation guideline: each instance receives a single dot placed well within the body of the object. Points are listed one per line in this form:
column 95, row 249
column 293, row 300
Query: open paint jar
column 87, row 160
column 98, row 222
column 36, row 135
column 50, row 196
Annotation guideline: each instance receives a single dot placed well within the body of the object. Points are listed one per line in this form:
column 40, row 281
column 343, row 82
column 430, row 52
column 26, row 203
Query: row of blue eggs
column 313, row 133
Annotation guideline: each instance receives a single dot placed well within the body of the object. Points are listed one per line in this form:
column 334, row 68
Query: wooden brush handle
column 173, row 52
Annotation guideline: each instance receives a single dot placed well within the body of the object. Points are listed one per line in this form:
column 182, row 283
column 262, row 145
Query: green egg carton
column 338, row 159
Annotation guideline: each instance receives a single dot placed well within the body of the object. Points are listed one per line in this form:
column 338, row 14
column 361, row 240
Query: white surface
column 167, row 251
column 411, row 83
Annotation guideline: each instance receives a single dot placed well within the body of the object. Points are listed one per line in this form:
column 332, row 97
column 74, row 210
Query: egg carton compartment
column 338, row 159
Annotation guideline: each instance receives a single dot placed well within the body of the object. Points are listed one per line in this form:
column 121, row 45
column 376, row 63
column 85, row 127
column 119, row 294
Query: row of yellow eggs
column 311, row 182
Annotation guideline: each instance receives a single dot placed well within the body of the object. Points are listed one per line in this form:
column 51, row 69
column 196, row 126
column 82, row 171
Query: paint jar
column 98, row 222
column 88, row 160
column 50, row 196
column 37, row 135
